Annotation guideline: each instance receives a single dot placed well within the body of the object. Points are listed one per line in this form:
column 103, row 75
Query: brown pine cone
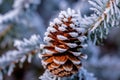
column 64, row 40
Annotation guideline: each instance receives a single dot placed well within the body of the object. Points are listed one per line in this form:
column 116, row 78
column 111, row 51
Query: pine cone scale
column 60, row 59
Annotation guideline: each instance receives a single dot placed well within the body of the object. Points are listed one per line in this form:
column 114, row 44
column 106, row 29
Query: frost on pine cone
column 64, row 40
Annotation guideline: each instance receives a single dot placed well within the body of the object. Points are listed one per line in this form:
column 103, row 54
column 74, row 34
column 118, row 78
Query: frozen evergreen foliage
column 26, row 49
column 33, row 42
column 23, row 21
column 25, row 3
column 85, row 75
column 18, row 7
column 107, row 15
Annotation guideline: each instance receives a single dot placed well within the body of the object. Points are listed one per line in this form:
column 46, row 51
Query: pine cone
column 64, row 40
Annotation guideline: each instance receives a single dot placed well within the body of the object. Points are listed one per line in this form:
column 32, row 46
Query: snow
column 47, row 33
column 60, row 49
column 47, row 39
column 51, row 29
column 69, row 11
column 59, row 62
column 61, row 28
column 72, row 25
column 57, row 21
column 82, row 38
column 48, row 51
column 67, row 68
column 73, row 34
column 63, row 25
column 10, row 70
column 42, row 46
column 76, row 62
column 72, row 45
column 64, row 13
column 61, row 37
column 81, row 30
column 52, row 24
column 61, row 16
column 76, row 53
column 65, row 19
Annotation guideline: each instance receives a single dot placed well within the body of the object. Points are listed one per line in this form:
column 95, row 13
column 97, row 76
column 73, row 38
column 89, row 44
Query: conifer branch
column 26, row 49
column 102, row 16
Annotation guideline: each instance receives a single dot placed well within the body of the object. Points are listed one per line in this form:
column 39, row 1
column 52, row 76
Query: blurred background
column 21, row 18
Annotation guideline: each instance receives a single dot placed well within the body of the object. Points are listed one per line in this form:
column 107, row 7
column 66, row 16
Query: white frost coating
column 61, row 16
column 59, row 62
column 76, row 62
column 47, row 33
column 24, row 48
column 34, row 40
column 60, row 49
column 72, row 25
column 52, row 29
column 44, row 63
column 64, row 13
column 48, row 51
column 42, row 46
column 81, row 30
column 83, row 73
column 76, row 53
column 57, row 21
column 24, row 3
column 71, row 45
column 23, row 59
column 95, row 5
column 17, row 4
column 73, row 20
column 69, row 11
column 47, row 76
column 47, row 39
column 97, row 24
column 63, row 25
column 52, row 24
column 75, row 15
column 77, row 23
column 84, row 57
column 60, row 37
column 85, row 45
column 17, row 43
column 65, row 20
column 67, row 68
column 111, row 8
column 40, row 56
column 73, row 11
column 10, row 15
column 73, row 34
column 82, row 38
column 67, row 14
column 29, row 58
column 117, row 2
column 62, row 28
column 11, row 68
